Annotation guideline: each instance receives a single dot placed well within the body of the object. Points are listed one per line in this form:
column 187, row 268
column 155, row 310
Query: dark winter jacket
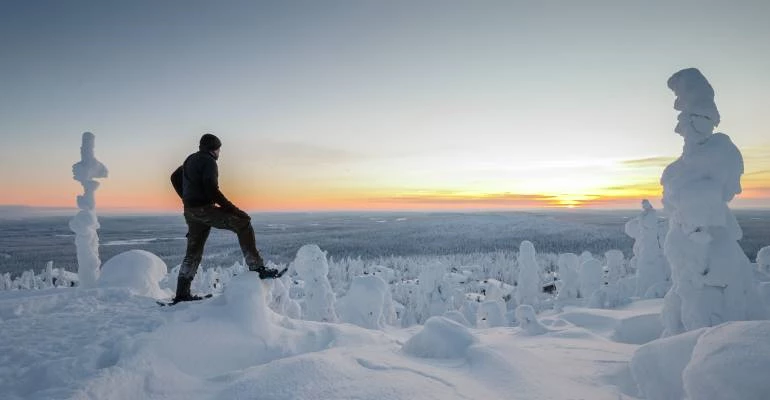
column 197, row 182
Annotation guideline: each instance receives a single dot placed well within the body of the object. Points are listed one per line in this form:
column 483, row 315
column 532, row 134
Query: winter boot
column 183, row 290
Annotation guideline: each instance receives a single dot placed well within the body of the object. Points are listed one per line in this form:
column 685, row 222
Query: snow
column 529, row 287
column 763, row 259
column 440, row 338
column 85, row 224
column 312, row 267
column 137, row 270
column 368, row 303
column 652, row 270
column 712, row 277
column 730, row 361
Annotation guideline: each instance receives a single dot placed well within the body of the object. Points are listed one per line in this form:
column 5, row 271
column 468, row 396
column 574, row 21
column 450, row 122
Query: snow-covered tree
column 590, row 278
column 528, row 288
column 651, row 266
column 568, row 284
column 615, row 268
column 434, row 296
column 763, row 259
column 368, row 303
column 85, row 223
column 312, row 267
column 712, row 278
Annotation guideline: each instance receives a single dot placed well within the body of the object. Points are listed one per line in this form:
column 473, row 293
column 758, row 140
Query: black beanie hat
column 209, row 142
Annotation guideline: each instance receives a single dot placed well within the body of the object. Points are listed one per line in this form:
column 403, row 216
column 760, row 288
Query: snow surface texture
column 728, row 361
column 528, row 288
column 236, row 345
column 651, row 266
column 137, row 270
column 85, row 224
column 312, row 267
column 712, row 278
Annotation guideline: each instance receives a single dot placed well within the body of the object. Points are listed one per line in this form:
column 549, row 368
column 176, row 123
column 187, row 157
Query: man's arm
column 211, row 186
column 177, row 181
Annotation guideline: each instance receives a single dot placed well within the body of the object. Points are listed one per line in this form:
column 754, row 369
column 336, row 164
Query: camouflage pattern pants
column 200, row 220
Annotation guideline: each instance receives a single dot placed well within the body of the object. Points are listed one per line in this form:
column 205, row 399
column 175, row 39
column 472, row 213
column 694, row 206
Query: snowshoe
column 182, row 300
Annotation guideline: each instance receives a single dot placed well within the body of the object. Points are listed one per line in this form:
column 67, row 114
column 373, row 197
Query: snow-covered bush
column 319, row 300
column 138, row 270
column 650, row 264
column 712, row 277
column 368, row 303
column 440, row 338
column 491, row 314
column 281, row 302
column 528, row 288
column 528, row 322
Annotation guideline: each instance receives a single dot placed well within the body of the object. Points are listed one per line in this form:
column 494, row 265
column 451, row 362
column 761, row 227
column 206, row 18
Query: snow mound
column 657, row 366
column 138, row 270
column 458, row 317
column 440, row 338
column 245, row 299
column 730, row 361
column 637, row 323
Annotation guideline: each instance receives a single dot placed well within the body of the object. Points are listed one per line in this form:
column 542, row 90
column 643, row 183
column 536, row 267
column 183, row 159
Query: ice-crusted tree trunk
column 312, row 267
column 85, row 223
column 528, row 283
column 711, row 276
column 652, row 270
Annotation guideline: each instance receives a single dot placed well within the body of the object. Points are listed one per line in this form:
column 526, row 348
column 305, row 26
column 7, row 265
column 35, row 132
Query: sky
column 374, row 105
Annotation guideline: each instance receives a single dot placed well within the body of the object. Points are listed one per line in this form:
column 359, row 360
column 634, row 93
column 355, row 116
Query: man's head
column 210, row 143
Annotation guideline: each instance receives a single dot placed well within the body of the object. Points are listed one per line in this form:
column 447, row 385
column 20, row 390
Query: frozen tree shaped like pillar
column 85, row 224
column 712, row 281
column 651, row 267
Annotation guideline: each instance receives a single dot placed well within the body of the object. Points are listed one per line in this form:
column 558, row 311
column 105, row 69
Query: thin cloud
column 661, row 161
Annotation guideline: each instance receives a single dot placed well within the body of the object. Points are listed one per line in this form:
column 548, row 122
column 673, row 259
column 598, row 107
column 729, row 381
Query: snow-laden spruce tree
column 528, row 283
column 312, row 267
column 615, row 292
column 368, row 303
column 711, row 276
column 652, row 271
column 568, row 284
column 85, row 224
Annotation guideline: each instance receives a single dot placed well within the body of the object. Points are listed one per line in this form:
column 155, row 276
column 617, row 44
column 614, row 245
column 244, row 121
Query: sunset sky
column 374, row 105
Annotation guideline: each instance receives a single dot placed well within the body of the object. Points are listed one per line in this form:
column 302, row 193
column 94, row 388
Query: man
column 196, row 182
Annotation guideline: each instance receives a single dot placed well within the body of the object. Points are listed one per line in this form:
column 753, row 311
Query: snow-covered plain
column 110, row 342
column 107, row 343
